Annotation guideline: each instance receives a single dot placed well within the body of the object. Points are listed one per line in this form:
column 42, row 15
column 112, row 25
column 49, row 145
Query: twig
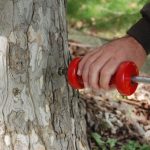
column 81, row 45
column 142, row 105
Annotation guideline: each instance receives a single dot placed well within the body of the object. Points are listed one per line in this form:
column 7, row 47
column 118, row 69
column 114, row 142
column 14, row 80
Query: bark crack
column 53, row 119
column 28, row 77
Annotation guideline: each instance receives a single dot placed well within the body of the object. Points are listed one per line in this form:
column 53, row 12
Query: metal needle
column 140, row 79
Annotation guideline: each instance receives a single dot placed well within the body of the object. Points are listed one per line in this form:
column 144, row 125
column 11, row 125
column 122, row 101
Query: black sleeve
column 141, row 30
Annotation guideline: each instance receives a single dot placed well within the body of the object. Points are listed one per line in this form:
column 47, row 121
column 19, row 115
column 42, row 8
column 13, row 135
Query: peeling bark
column 38, row 111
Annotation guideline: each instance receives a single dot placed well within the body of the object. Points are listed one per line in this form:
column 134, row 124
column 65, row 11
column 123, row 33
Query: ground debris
column 112, row 115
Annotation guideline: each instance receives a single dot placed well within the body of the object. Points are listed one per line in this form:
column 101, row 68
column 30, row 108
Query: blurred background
column 105, row 18
column 92, row 23
column 114, row 122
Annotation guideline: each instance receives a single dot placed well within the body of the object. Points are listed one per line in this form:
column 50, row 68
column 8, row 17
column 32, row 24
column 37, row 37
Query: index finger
column 84, row 60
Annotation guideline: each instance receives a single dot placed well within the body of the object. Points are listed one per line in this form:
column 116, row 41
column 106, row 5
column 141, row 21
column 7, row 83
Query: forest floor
column 114, row 122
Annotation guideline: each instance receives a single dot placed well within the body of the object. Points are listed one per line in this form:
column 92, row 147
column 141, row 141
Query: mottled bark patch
column 18, row 59
column 17, row 122
column 38, row 111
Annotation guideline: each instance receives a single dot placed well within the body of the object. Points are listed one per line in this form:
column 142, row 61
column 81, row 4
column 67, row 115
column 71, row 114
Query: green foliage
column 134, row 145
column 98, row 139
column 104, row 145
column 112, row 144
column 105, row 14
column 131, row 145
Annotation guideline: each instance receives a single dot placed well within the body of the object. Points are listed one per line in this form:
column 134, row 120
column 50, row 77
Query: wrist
column 139, row 51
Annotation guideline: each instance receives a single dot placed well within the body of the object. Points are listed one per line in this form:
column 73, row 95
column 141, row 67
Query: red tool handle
column 121, row 79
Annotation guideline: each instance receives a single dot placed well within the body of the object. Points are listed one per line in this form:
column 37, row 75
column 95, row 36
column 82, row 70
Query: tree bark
column 38, row 110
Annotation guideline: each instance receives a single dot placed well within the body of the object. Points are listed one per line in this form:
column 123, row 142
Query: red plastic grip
column 123, row 76
column 74, row 80
column 121, row 79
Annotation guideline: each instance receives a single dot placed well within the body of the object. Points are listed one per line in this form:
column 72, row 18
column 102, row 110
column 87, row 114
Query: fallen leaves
column 112, row 115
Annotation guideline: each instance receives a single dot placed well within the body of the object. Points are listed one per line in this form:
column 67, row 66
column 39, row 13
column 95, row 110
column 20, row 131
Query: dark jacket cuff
column 141, row 32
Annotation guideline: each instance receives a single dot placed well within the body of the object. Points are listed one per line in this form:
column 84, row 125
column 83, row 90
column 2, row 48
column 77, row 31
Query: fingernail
column 86, row 85
column 88, row 90
column 79, row 73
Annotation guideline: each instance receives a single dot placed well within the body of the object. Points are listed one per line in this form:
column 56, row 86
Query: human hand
column 98, row 66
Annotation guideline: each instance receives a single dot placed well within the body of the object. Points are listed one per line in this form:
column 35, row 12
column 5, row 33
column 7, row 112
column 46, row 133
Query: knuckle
column 104, row 85
column 114, row 59
column 90, row 61
column 120, row 56
column 93, row 77
column 91, row 68
column 80, row 66
column 85, row 80
column 104, row 73
column 93, row 82
column 104, row 79
column 88, row 64
column 84, row 76
column 95, row 87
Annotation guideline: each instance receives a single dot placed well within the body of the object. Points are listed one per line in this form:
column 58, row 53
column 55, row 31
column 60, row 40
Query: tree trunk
column 38, row 111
